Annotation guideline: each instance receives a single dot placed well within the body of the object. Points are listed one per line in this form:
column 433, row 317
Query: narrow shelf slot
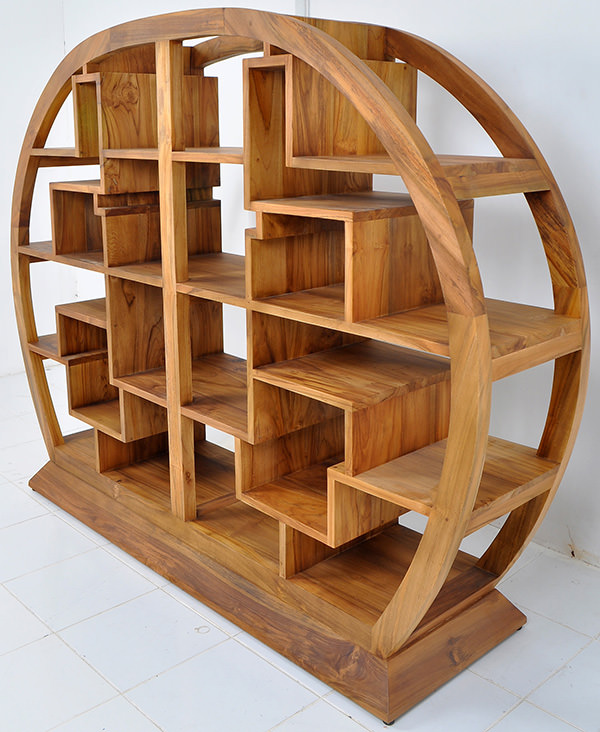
column 299, row 499
column 92, row 312
column 233, row 155
column 512, row 475
column 356, row 376
column 218, row 276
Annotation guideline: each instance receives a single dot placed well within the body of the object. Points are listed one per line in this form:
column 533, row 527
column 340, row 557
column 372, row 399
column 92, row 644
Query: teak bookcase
column 371, row 347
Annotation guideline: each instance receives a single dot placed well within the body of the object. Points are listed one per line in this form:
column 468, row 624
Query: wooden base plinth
column 309, row 630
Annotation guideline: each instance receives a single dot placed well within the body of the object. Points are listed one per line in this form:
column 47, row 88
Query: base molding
column 385, row 687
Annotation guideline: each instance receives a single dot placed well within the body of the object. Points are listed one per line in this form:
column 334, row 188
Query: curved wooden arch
column 436, row 204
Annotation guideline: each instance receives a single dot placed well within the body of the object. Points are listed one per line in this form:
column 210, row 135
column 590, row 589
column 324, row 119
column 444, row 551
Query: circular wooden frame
column 469, row 345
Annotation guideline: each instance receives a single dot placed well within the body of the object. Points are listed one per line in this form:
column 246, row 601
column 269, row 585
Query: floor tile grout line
column 559, row 669
column 553, row 715
column 312, row 704
column 277, row 668
column 174, row 666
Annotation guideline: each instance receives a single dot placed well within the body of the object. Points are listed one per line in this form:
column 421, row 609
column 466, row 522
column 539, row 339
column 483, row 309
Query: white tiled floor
column 92, row 640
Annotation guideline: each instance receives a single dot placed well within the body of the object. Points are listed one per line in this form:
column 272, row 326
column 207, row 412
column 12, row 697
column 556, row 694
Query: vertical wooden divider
column 173, row 231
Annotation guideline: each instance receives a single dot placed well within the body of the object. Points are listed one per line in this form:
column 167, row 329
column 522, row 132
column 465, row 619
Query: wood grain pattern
column 322, row 417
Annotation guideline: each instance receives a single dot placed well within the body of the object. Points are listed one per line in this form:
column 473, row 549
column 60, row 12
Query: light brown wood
column 340, row 423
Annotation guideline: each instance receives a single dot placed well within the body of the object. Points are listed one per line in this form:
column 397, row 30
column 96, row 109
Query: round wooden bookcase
column 371, row 347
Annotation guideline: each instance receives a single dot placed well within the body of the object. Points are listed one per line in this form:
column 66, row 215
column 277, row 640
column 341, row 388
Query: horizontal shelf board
column 298, row 499
column 342, row 207
column 92, row 312
column 189, row 155
column 356, row 376
column 219, row 385
column 150, row 385
column 513, row 327
column 58, row 156
column 91, row 260
column 362, row 580
column 218, row 276
column 104, row 416
column 322, row 302
column 469, row 176
column 512, row 474
column 47, row 347
column 148, row 273
column 233, row 155
column 134, row 153
column 77, row 186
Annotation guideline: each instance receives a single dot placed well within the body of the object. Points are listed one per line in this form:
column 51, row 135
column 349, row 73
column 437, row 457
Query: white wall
column 541, row 56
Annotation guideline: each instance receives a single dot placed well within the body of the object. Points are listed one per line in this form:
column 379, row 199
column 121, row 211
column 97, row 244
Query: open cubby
column 360, row 389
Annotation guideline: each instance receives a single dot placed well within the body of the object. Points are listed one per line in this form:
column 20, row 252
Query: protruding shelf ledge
column 219, row 276
column 356, row 376
column 364, row 206
column 42, row 250
column 233, row 155
column 46, row 346
column 58, row 156
column 92, row 312
column 512, row 475
column 469, row 176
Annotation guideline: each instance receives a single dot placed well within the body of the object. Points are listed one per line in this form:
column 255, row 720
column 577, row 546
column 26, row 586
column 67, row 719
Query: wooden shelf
column 512, row 475
column 219, row 386
column 469, row 176
column 92, row 312
column 104, row 416
column 319, row 305
column 233, row 155
column 47, row 347
column 219, row 276
column 299, row 499
column 50, row 157
column 189, row 155
column 42, row 250
column 356, row 376
column 365, row 206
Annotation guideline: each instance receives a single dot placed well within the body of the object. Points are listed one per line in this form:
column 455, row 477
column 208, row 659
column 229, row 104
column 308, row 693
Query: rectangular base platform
column 228, row 560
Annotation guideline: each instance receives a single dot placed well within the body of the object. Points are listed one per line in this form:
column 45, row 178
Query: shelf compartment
column 76, row 229
column 44, row 251
column 469, row 176
column 323, row 122
column 299, row 499
column 512, row 475
column 104, row 416
column 383, row 249
column 521, row 336
column 219, row 385
column 356, row 376
column 46, row 346
column 218, row 276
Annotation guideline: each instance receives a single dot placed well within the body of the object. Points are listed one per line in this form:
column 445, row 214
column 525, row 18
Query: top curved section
column 414, row 159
